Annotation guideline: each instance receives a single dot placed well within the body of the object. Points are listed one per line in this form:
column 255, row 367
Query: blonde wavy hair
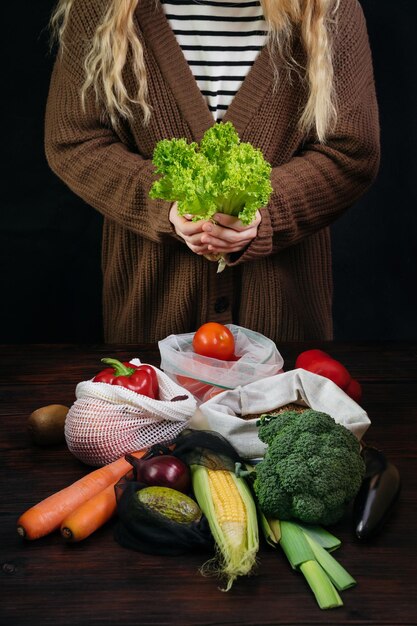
column 115, row 36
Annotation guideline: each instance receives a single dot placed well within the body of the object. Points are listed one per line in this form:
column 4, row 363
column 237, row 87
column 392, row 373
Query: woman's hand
column 226, row 234
column 188, row 230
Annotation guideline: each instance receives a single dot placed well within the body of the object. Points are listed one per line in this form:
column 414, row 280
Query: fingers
column 230, row 242
column 193, row 239
column 229, row 221
column 226, row 234
column 188, row 230
column 183, row 224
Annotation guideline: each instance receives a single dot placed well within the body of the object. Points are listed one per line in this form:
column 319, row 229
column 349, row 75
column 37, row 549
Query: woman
column 293, row 76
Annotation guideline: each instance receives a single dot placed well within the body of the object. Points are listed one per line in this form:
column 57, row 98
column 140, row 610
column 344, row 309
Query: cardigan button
column 221, row 304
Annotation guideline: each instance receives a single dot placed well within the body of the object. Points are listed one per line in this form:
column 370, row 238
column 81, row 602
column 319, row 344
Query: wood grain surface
column 97, row 582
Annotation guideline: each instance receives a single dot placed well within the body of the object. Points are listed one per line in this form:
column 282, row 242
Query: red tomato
column 197, row 388
column 194, row 386
column 214, row 340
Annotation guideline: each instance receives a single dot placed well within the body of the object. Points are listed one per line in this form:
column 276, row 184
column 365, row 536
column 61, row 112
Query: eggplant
column 377, row 495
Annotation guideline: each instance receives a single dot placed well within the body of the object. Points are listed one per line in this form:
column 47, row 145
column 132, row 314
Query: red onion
column 164, row 470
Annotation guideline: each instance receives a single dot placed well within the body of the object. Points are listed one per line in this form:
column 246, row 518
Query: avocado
column 170, row 503
column 46, row 425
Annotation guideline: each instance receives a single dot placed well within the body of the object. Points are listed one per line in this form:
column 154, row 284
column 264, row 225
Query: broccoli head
column 311, row 470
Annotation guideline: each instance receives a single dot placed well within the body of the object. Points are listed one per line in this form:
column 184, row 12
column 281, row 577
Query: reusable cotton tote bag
column 229, row 413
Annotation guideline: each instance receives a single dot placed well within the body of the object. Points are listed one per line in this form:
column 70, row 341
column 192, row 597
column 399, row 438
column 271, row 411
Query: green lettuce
column 221, row 175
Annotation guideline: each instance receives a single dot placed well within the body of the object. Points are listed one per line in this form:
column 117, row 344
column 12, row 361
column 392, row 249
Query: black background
column 50, row 240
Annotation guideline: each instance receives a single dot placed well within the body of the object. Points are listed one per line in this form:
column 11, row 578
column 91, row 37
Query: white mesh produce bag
column 225, row 412
column 258, row 358
column 108, row 421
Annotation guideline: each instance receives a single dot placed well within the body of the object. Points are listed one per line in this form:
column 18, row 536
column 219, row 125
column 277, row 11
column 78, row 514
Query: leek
column 270, row 529
column 325, row 593
column 307, row 549
column 338, row 575
column 299, row 552
column 295, row 545
column 321, row 536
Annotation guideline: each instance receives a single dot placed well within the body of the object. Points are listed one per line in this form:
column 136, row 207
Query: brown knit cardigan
column 153, row 285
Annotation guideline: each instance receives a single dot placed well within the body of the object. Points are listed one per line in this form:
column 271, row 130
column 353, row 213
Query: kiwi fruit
column 46, row 425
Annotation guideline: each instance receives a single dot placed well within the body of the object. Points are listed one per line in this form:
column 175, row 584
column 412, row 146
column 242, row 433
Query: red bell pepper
column 139, row 378
column 321, row 363
column 354, row 390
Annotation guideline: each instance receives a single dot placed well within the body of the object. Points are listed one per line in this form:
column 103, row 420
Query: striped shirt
column 220, row 40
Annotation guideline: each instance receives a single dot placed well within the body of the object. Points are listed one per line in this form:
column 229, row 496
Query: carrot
column 88, row 517
column 46, row 516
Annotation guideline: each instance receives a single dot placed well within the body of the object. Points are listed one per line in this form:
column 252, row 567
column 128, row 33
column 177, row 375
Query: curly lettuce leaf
column 221, row 175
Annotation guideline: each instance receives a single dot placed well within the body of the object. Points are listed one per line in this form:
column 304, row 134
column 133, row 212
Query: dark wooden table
column 98, row 582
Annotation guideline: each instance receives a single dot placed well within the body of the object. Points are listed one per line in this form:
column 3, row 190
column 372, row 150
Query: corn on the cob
column 227, row 502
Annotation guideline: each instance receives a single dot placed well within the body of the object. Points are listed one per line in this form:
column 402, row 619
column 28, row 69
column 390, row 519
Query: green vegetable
column 338, row 575
column 306, row 554
column 311, row 470
column 170, row 503
column 325, row 593
column 221, row 175
column 301, row 556
column 321, row 536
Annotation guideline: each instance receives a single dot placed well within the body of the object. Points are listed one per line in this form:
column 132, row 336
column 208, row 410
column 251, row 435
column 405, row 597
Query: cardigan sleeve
column 322, row 180
column 89, row 155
